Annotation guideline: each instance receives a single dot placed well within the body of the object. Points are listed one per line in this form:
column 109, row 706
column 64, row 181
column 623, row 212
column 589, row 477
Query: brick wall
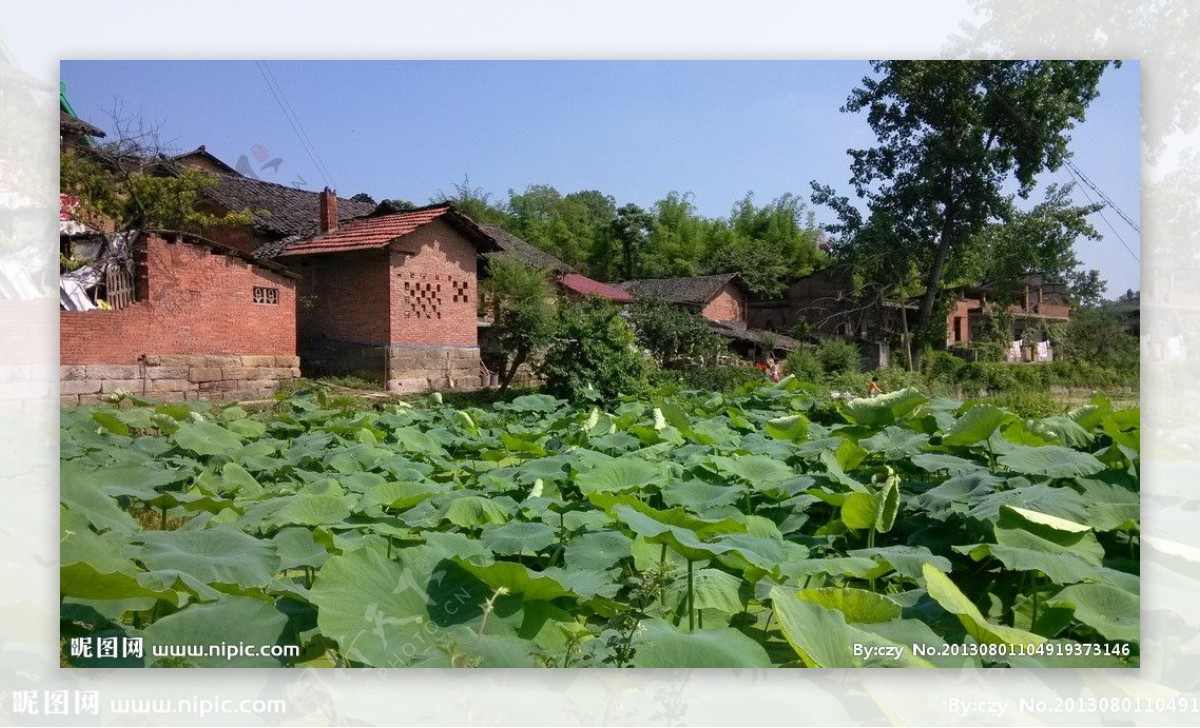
column 344, row 297
column 433, row 290
column 729, row 305
column 193, row 302
column 958, row 321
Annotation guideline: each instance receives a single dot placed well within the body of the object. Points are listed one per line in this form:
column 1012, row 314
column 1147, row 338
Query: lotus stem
column 691, row 601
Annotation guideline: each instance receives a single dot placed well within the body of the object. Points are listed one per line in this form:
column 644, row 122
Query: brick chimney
column 329, row 211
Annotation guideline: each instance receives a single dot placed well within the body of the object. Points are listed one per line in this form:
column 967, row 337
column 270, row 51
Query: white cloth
column 1014, row 351
column 1176, row 349
column 1042, row 351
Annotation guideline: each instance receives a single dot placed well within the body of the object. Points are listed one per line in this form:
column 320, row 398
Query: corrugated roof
column 693, row 291
column 585, row 286
column 512, row 246
column 376, row 231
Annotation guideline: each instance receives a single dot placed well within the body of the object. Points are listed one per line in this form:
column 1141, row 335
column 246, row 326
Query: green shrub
column 804, row 365
column 941, row 365
column 593, row 355
column 1026, row 402
column 838, row 356
column 713, row 379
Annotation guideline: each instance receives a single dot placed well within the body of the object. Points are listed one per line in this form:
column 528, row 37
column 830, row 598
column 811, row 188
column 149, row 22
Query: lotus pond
column 765, row 528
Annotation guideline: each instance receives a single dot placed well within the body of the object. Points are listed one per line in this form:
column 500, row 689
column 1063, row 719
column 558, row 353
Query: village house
column 721, row 299
column 1036, row 305
column 391, row 297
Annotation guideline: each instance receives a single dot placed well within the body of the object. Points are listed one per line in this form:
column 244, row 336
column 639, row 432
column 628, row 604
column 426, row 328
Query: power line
column 321, row 160
column 1084, row 178
column 1070, row 168
column 293, row 122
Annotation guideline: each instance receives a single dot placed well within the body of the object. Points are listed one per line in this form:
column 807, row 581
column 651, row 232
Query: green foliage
column 671, row 333
column 130, row 192
column 951, row 137
column 713, row 379
column 804, row 365
column 1097, row 337
column 838, row 356
column 757, row 527
column 1026, row 402
column 524, row 317
column 594, row 354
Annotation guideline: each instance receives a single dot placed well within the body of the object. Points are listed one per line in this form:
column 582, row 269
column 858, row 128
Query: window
column 266, row 296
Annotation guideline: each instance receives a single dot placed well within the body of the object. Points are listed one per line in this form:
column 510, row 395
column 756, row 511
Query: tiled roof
column 587, row 287
column 512, row 246
column 75, row 125
column 201, row 152
column 693, row 291
column 365, row 233
column 290, row 212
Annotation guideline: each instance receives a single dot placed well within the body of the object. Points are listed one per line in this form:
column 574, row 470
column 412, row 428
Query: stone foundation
column 177, row 377
column 426, row 368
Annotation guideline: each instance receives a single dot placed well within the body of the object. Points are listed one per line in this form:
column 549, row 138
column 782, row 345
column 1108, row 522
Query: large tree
column 954, row 137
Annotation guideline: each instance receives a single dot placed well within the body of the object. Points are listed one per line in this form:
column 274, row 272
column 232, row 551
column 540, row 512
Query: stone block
column 89, row 399
column 171, row 385
column 113, row 371
column 237, row 372
column 69, row 373
column 204, row 374
column 133, row 386
column 174, row 360
column 287, row 361
column 69, row 399
column 171, row 372
column 169, row 396
column 79, row 386
column 152, row 360
column 258, row 361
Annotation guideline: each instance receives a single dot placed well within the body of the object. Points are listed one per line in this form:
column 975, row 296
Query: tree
column 363, row 197
column 524, row 317
column 952, row 135
column 473, row 202
column 126, row 184
column 671, row 333
column 629, row 229
column 593, row 355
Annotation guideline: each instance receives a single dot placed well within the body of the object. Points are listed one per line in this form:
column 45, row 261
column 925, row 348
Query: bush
column 1027, row 402
column 593, row 354
column 838, row 356
column 941, row 365
column 804, row 365
column 715, row 379
column 671, row 333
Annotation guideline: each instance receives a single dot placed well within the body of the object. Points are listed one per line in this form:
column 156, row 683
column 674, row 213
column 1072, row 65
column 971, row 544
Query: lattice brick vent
column 461, row 291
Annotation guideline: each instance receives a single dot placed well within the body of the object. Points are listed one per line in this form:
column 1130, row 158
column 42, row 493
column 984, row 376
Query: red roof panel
column 367, row 232
column 585, row 286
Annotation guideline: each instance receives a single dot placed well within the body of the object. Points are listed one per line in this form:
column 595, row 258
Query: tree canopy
column 955, row 138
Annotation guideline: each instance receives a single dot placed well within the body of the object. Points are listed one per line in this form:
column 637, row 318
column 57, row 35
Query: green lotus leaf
column 516, row 537
column 206, row 438
column 859, row 605
column 1050, row 461
column 600, row 550
column 976, row 425
column 373, row 608
column 822, row 638
column 621, row 475
column 221, row 555
column 884, row 409
column 231, row 620
column 658, row 644
column 758, row 471
column 943, row 591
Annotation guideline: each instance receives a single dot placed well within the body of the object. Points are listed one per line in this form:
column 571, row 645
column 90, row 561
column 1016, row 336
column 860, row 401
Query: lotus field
column 771, row 527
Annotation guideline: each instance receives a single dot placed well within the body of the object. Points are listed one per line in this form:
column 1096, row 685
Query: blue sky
column 634, row 130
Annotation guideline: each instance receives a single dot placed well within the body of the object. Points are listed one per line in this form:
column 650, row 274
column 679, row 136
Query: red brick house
column 719, row 298
column 199, row 320
column 391, row 297
column 1037, row 304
